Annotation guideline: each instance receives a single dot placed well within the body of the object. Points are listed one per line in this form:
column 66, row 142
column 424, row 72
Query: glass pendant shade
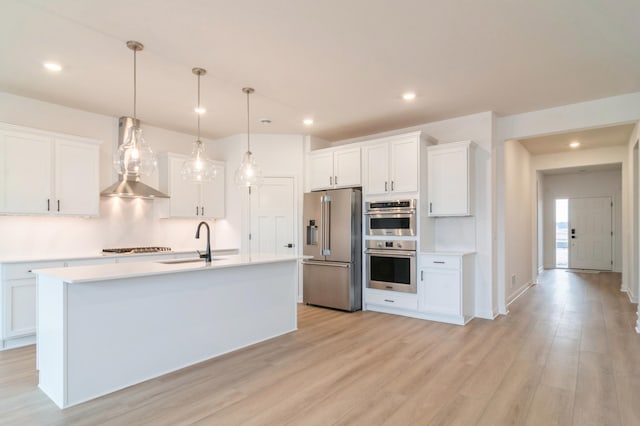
column 248, row 174
column 135, row 157
column 198, row 167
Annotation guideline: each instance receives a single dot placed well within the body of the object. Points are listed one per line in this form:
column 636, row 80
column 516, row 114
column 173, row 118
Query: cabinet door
column 77, row 181
column 321, row 171
column 20, row 316
column 377, row 169
column 185, row 196
column 346, row 168
column 26, row 173
column 212, row 195
column 404, row 166
column 441, row 291
column 448, row 182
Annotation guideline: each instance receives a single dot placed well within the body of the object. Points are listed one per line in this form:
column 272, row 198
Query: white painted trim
column 638, row 322
column 524, row 289
column 17, row 342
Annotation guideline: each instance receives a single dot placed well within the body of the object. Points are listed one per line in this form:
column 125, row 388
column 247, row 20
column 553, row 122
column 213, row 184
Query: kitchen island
column 106, row 327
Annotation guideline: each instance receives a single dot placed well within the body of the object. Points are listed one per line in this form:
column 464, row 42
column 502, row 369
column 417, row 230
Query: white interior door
column 590, row 233
column 272, row 217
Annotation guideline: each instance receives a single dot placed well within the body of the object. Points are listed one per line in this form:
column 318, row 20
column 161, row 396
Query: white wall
column 592, row 114
column 124, row 222
column 578, row 185
column 519, row 219
column 470, row 233
column 631, row 210
column 276, row 155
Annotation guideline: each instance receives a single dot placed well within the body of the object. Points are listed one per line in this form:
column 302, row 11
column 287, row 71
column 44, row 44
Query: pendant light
column 248, row 174
column 198, row 167
column 135, row 157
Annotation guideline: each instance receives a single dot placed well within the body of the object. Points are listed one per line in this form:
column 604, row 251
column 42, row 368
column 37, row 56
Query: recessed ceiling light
column 200, row 110
column 308, row 121
column 574, row 144
column 409, row 96
column 265, row 121
column 51, row 66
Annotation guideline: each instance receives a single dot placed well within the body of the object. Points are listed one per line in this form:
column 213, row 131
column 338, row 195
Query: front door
column 590, row 233
column 272, row 217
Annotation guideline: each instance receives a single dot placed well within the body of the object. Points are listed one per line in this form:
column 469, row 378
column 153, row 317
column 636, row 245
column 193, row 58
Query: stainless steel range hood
column 129, row 185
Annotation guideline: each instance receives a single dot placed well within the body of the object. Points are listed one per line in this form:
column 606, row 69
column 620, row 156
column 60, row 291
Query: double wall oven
column 391, row 263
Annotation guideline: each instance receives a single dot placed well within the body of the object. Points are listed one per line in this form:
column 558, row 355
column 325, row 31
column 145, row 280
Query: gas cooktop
column 133, row 250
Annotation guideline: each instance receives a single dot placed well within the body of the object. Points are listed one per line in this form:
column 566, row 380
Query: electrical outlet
column 513, row 280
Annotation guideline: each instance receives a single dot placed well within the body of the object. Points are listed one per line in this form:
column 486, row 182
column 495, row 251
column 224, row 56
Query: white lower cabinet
column 18, row 302
column 445, row 286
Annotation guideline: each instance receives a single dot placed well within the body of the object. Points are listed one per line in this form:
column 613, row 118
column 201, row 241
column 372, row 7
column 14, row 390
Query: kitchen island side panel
column 123, row 332
column 51, row 339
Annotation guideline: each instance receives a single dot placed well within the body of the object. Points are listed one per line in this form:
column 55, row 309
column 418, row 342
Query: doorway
column 590, row 233
column 583, row 233
column 273, row 227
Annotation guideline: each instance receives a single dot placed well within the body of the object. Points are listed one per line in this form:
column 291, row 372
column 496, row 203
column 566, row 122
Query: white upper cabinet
column 392, row 167
column 188, row 199
column 337, row 168
column 449, row 171
column 48, row 173
column 77, row 179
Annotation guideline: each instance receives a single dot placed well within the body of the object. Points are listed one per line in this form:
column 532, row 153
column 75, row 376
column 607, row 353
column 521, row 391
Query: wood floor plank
column 567, row 353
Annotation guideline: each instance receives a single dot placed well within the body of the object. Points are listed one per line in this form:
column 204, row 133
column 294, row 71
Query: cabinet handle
column 48, row 205
column 430, row 207
column 392, row 185
column 389, row 300
column 385, row 187
column 439, row 261
column 421, row 275
column 58, row 205
column 197, row 211
column 335, row 180
column 330, row 180
column 202, row 210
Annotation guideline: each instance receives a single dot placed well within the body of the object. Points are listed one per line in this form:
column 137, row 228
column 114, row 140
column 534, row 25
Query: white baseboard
column 522, row 291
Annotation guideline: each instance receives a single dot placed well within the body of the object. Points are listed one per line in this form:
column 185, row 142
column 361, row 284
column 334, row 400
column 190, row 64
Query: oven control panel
column 391, row 244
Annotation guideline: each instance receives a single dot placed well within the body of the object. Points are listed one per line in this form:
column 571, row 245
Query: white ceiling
column 344, row 63
column 588, row 139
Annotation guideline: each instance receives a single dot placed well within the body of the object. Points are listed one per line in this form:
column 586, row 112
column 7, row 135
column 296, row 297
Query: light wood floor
column 566, row 354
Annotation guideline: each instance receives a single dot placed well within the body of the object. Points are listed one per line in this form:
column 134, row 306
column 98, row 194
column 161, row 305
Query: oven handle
column 391, row 253
column 390, row 211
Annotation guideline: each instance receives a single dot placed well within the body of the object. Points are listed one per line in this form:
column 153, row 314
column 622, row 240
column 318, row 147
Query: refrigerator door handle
column 326, row 225
column 322, row 263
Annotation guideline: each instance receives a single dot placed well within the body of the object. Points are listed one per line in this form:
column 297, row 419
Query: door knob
column 290, row 245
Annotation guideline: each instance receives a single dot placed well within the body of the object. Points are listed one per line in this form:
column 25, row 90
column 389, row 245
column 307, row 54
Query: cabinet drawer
column 437, row 261
column 392, row 299
column 14, row 271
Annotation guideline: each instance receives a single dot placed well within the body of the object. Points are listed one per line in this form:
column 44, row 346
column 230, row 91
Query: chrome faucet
column 206, row 256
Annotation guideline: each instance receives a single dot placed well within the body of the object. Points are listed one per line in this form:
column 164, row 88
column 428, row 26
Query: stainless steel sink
column 175, row 261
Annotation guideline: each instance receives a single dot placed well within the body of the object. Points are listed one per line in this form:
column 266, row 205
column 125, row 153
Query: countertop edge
column 80, row 274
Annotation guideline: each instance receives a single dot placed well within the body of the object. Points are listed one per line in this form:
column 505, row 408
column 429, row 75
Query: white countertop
column 80, row 274
column 100, row 255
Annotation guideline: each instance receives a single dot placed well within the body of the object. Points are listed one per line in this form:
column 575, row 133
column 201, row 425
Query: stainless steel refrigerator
column 333, row 236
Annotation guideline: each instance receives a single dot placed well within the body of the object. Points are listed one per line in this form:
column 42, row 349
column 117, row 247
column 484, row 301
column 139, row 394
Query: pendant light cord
column 135, row 51
column 248, row 124
column 199, row 111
